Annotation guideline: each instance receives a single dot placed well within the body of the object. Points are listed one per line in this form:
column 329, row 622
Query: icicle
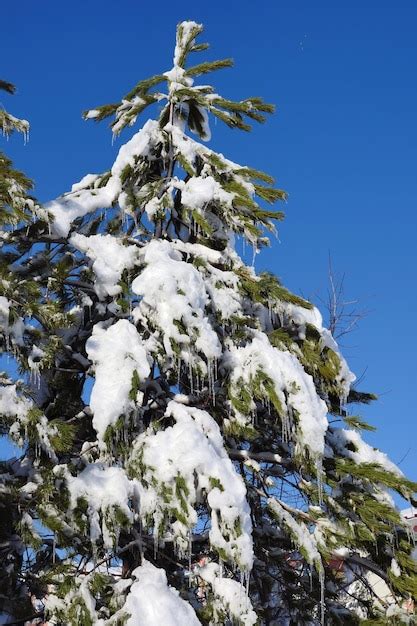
column 411, row 533
column 190, row 371
column 254, row 253
column 270, row 311
column 210, row 375
column 129, row 294
column 213, row 392
column 319, row 470
column 94, row 547
column 34, row 376
column 343, row 397
column 190, row 551
column 140, row 539
column 197, row 381
column 322, row 605
column 287, row 425
column 246, row 582
column 285, row 421
column 8, row 342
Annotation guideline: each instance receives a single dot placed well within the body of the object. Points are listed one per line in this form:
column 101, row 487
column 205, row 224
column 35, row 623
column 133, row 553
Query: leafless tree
column 343, row 314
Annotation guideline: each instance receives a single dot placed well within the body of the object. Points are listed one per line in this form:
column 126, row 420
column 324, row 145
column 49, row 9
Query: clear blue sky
column 343, row 142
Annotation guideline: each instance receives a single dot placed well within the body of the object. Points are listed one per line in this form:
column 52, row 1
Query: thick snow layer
column 87, row 181
column 198, row 250
column 230, row 596
column 103, row 488
column 174, row 291
column 294, row 387
column 177, row 79
column 83, row 200
column 395, row 568
column 126, row 114
column 191, row 149
column 4, row 313
column 17, row 407
column 184, row 32
column 301, row 317
column 80, row 597
column 299, row 532
column 116, row 352
column 34, row 357
column 206, row 189
column 110, row 258
column 193, row 450
column 12, row 404
column 341, row 438
column 73, row 205
column 14, row 331
column 88, row 196
column 222, row 285
column 152, row 602
column 199, row 191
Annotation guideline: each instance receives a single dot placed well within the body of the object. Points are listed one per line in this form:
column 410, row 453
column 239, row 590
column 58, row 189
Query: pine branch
column 208, row 66
column 9, row 87
column 265, row 457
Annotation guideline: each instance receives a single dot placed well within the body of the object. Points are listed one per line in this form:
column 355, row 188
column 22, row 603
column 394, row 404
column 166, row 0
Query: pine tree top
column 186, row 104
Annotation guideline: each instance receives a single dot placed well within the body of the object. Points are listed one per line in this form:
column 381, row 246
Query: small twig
column 404, row 457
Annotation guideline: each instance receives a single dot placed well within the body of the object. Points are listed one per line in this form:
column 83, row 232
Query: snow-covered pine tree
column 206, row 476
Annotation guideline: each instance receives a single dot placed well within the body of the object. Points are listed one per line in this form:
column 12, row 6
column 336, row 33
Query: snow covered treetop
column 215, row 193
column 186, row 104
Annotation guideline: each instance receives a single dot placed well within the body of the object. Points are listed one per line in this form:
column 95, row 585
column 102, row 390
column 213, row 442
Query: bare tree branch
column 343, row 315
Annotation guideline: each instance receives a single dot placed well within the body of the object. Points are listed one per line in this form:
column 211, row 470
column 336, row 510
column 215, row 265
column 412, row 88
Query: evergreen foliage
column 214, row 472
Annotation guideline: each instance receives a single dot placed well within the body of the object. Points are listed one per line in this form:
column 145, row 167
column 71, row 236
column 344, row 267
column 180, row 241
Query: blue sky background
column 342, row 143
